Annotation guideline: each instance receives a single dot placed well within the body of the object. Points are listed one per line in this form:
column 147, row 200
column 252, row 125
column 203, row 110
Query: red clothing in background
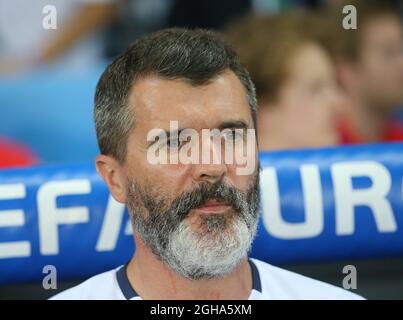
column 348, row 135
column 13, row 154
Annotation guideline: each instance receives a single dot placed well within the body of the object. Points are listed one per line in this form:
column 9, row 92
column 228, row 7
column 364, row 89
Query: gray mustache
column 205, row 192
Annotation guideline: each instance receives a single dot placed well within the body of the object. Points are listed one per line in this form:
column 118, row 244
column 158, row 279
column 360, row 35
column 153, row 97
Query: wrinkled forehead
column 156, row 101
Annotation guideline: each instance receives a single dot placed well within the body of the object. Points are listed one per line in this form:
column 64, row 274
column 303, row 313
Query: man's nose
column 209, row 172
column 211, row 167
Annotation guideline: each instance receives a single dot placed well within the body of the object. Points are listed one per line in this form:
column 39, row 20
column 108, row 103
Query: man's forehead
column 156, row 101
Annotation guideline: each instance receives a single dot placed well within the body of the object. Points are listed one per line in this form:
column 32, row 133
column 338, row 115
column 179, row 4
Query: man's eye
column 233, row 135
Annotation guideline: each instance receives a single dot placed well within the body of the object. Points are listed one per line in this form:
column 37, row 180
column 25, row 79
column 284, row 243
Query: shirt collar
column 129, row 292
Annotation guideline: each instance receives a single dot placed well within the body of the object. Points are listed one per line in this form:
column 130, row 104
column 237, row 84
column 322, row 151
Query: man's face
column 198, row 218
column 380, row 67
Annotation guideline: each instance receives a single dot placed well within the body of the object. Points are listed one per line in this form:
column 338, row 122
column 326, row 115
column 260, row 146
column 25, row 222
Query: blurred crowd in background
column 318, row 84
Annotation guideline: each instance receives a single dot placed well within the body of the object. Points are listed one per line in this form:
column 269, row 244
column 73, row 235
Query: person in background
column 90, row 31
column 299, row 100
column 370, row 70
column 25, row 44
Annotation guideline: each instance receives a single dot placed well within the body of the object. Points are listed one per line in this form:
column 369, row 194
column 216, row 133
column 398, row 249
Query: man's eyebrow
column 230, row 124
column 233, row 124
column 236, row 124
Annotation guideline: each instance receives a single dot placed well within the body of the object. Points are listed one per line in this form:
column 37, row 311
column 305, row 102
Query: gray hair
column 196, row 55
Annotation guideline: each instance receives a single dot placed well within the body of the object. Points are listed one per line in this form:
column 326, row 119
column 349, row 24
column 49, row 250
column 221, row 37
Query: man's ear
column 114, row 175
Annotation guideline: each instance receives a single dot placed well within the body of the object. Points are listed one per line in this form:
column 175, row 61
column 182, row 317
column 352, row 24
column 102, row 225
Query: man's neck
column 153, row 279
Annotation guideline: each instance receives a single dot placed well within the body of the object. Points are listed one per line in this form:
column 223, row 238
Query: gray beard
column 224, row 241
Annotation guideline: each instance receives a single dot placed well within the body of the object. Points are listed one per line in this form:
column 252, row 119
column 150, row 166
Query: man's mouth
column 214, row 207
